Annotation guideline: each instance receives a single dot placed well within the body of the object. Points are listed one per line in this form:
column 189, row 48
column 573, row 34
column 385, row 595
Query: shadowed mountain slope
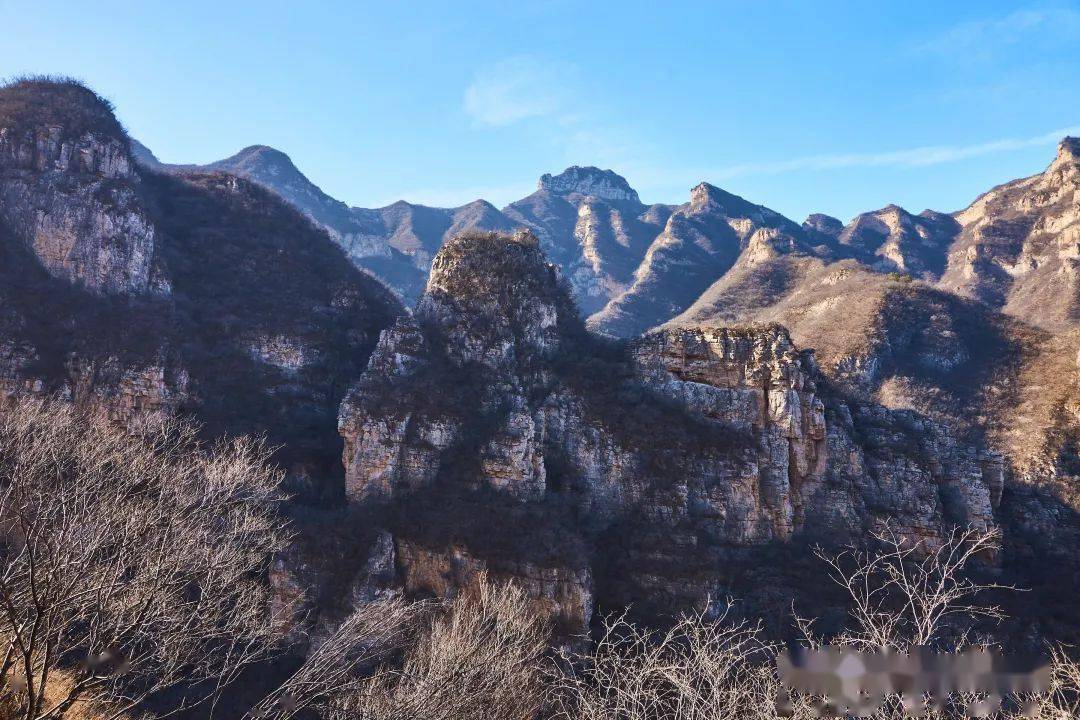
column 142, row 294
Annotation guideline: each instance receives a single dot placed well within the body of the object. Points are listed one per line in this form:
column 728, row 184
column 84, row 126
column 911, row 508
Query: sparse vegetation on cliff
column 43, row 101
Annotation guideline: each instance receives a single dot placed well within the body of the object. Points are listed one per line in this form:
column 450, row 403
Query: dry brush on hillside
column 133, row 581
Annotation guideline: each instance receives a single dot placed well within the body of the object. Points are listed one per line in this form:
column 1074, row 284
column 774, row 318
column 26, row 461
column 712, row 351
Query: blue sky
column 810, row 106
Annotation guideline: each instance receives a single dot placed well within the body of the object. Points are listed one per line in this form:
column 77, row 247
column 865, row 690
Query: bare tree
column 697, row 670
column 902, row 592
column 335, row 665
column 129, row 565
column 479, row 659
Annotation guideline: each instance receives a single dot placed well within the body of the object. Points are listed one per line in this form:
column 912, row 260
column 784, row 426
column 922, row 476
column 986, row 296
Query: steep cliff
column 1019, row 246
column 69, row 191
column 700, row 242
column 494, row 431
column 144, row 295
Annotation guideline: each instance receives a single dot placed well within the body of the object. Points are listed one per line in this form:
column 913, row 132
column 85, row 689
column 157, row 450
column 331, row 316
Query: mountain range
column 633, row 266
column 613, row 404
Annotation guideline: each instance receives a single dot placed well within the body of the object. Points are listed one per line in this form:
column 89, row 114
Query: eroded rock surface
column 71, row 195
column 637, row 467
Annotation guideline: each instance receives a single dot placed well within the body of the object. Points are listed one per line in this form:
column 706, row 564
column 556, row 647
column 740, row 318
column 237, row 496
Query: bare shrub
column 479, row 659
column 335, row 666
column 128, row 565
column 697, row 670
column 902, row 593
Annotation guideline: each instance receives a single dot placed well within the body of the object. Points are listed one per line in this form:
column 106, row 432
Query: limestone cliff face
column 142, row 295
column 130, row 395
column 75, row 231
column 753, row 380
column 1019, row 248
column 700, row 242
column 599, row 471
column 70, row 193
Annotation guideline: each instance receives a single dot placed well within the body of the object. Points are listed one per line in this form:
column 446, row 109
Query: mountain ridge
column 593, row 225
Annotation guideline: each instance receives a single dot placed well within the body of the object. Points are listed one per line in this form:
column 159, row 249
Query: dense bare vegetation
column 480, row 658
column 901, row 595
column 129, row 566
column 133, row 579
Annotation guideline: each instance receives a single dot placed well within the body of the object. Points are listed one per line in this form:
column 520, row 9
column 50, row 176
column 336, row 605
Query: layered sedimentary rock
column 544, row 452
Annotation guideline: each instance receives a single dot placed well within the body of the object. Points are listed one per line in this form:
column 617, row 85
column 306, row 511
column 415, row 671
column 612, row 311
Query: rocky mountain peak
column 589, row 181
column 257, row 161
column 824, row 224
column 481, row 264
column 705, row 195
column 1069, row 148
column 1067, row 162
column 494, row 300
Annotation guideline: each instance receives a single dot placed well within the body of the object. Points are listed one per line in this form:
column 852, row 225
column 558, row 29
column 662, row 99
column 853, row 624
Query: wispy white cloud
column 909, row 158
column 519, row 88
column 980, row 40
column 553, row 102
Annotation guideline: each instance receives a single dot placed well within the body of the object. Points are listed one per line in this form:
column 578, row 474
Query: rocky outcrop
column 546, row 454
column 894, row 240
column 141, row 295
column 825, row 225
column 69, row 192
column 589, row 182
column 700, row 242
column 1019, row 246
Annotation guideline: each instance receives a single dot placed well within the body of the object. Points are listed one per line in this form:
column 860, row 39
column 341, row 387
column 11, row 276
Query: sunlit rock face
column 699, row 242
column 1019, row 247
column 894, row 240
column 589, row 182
column 501, row 436
column 69, row 191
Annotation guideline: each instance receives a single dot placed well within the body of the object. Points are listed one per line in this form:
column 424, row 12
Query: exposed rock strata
column 142, row 296
column 75, row 202
column 693, row 442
